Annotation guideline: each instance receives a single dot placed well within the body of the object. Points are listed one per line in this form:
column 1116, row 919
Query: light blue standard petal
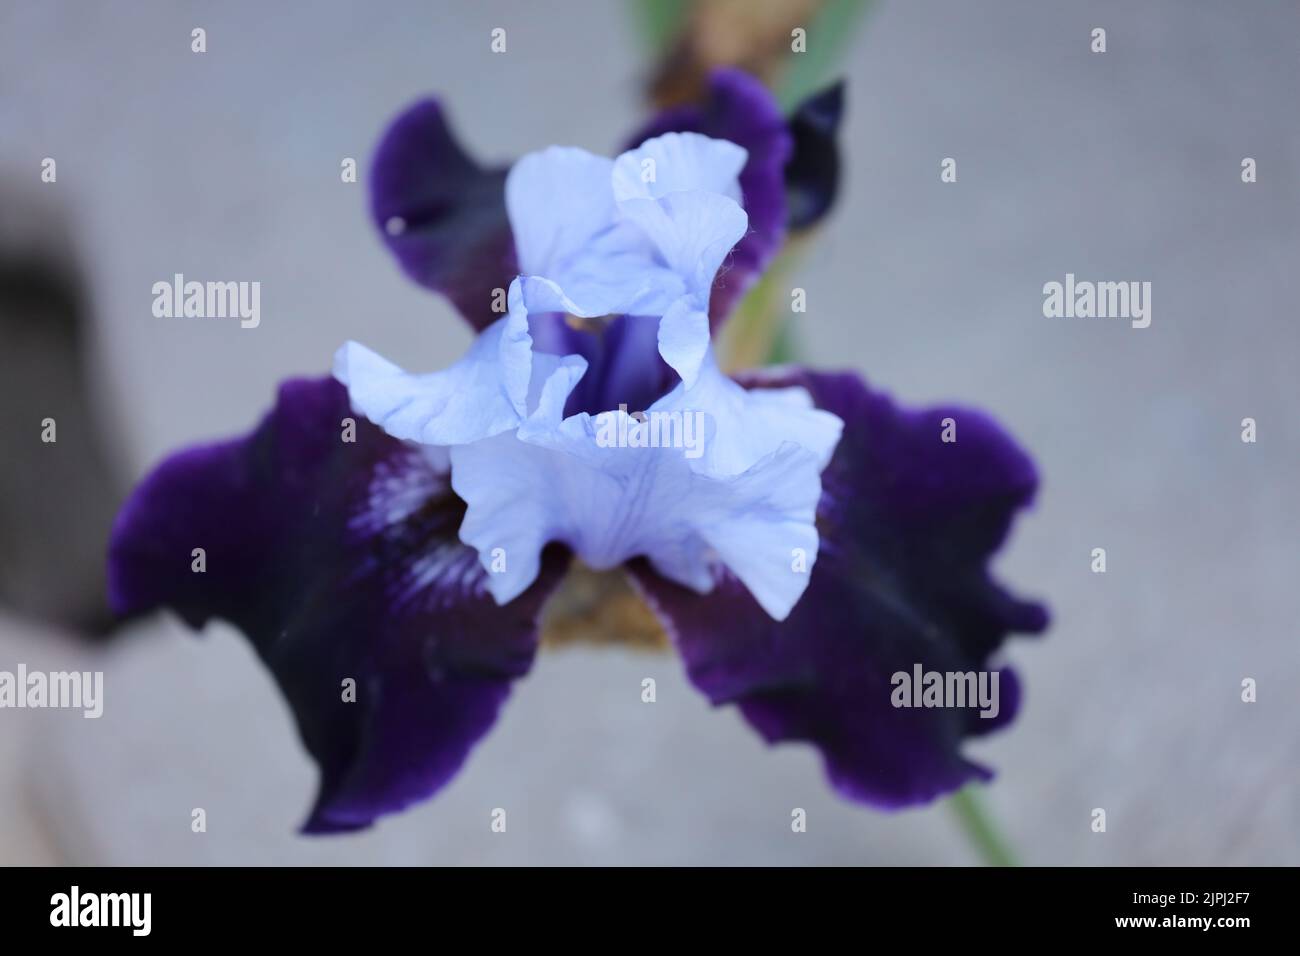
column 558, row 200
column 682, row 191
column 684, row 338
column 568, row 230
column 678, row 163
column 491, row 390
column 643, row 235
column 693, row 233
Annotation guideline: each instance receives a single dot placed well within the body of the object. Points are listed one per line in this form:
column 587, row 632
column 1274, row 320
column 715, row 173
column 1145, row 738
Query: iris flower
column 403, row 530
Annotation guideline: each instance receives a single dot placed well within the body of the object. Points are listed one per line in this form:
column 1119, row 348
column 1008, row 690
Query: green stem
column 980, row 829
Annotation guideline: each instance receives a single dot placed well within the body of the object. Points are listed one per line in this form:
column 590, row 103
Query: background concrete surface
column 1118, row 166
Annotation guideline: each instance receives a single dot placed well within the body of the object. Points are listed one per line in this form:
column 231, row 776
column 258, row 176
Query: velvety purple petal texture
column 441, row 214
column 908, row 524
column 339, row 561
column 740, row 109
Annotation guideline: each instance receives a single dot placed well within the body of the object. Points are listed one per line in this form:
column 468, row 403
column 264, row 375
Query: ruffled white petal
column 679, row 162
column 750, row 424
column 483, row 394
column 567, row 229
column 691, row 232
column 746, row 499
column 557, row 200
column 635, row 236
column 684, row 339
column 491, row 390
column 612, row 504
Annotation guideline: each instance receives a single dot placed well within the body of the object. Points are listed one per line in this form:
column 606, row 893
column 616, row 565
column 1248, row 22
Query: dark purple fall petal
column 740, row 109
column 441, row 214
column 337, row 560
column 908, row 524
column 812, row 176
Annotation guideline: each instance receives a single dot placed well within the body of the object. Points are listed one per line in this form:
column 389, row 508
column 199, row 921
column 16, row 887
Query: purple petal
column 740, row 109
column 441, row 214
column 907, row 525
column 626, row 368
column 812, row 176
column 338, row 560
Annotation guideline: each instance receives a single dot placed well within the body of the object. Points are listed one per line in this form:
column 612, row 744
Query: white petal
column 568, row 230
column 610, row 504
column 692, row 232
column 492, row 389
column 684, row 338
column 747, row 425
column 679, row 162
column 557, row 200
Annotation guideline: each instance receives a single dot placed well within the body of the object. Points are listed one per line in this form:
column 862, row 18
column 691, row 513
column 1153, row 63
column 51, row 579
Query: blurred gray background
column 1118, row 166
